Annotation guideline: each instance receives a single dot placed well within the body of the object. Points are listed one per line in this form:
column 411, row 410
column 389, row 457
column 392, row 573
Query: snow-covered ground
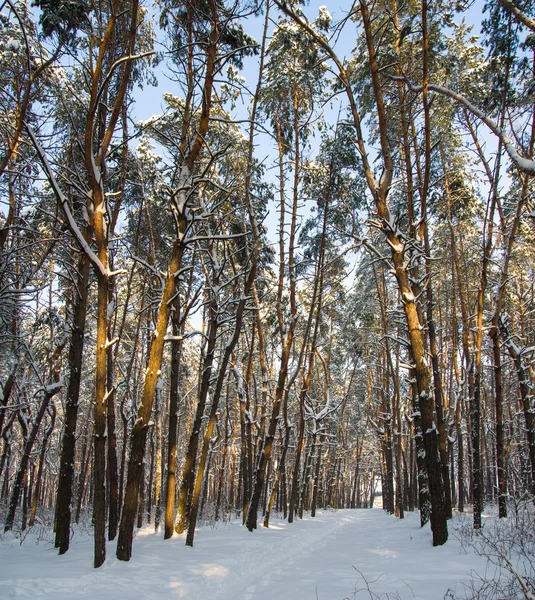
column 330, row 557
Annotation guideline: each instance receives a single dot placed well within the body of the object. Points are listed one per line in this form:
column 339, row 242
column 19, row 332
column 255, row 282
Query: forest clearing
column 261, row 260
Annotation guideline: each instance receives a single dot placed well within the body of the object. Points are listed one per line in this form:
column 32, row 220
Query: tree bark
column 64, row 494
column 176, row 351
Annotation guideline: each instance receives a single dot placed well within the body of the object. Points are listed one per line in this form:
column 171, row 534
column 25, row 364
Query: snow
column 12, row 45
column 329, row 557
column 54, row 388
column 524, row 164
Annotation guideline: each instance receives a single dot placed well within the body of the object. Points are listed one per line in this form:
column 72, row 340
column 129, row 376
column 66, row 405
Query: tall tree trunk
column 64, row 496
column 126, row 530
column 317, row 468
column 297, row 463
column 216, row 396
column 112, row 467
column 141, row 425
column 224, row 457
column 176, row 352
column 99, row 416
column 188, row 473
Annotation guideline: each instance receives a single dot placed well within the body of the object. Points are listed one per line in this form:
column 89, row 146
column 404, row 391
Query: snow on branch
column 117, row 63
column 111, row 343
column 53, row 388
column 151, row 268
column 202, row 238
column 520, row 15
column 523, row 164
column 65, row 205
column 185, row 336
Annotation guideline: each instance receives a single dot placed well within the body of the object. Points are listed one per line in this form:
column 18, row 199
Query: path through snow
column 325, row 558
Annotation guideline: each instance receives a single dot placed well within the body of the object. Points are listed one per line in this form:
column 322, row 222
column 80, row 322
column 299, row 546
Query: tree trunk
column 176, row 352
column 86, row 451
column 188, row 473
column 21, row 478
column 216, row 396
column 525, row 384
column 297, row 464
column 64, row 496
column 112, row 467
column 37, row 486
column 141, row 425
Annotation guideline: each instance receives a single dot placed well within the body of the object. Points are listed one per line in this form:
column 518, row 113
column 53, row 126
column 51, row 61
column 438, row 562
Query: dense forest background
column 308, row 278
